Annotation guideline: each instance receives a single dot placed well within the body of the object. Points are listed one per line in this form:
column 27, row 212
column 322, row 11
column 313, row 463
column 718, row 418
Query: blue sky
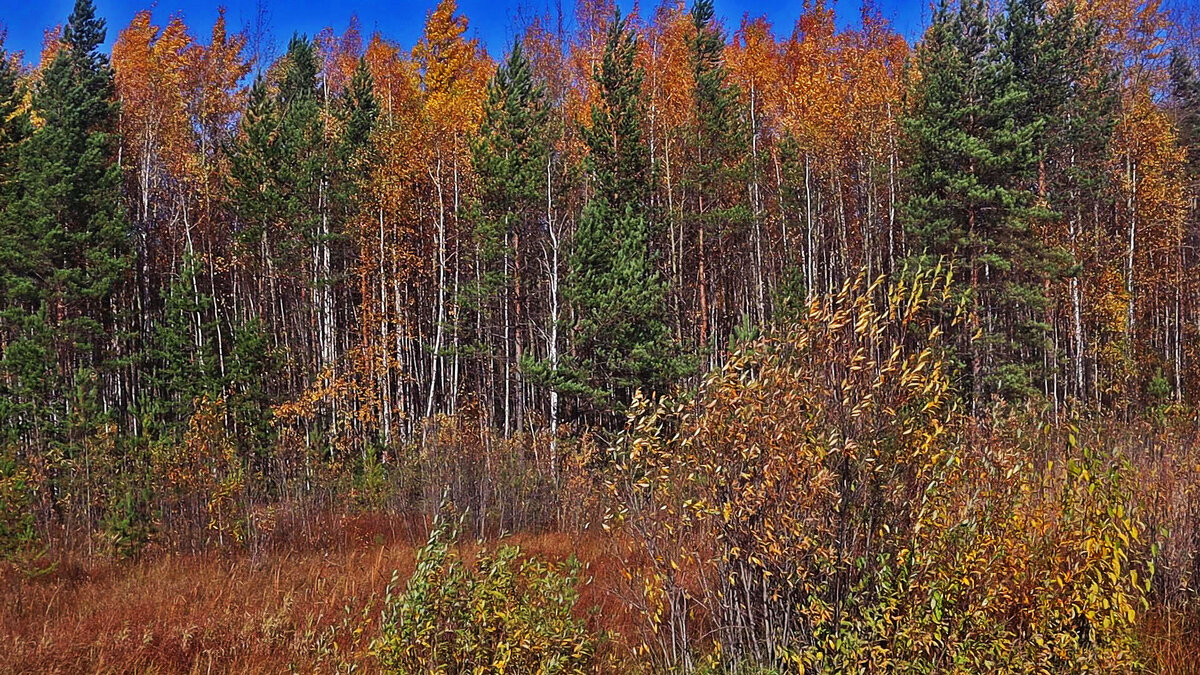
column 493, row 21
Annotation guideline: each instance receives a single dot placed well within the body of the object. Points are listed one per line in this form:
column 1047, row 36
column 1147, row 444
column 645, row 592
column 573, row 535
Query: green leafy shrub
column 370, row 484
column 503, row 614
column 1158, row 390
column 129, row 523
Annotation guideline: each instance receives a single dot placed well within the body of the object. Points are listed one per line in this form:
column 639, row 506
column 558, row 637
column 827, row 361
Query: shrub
column 770, row 490
column 504, row 613
column 1011, row 567
column 17, row 533
column 506, row 484
column 822, row 506
column 129, row 522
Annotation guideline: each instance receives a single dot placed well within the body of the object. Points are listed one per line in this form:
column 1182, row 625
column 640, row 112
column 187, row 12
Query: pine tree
column 1066, row 96
column 66, row 220
column 621, row 340
column 972, row 177
column 299, row 170
column 253, row 159
column 15, row 127
column 256, row 203
column 283, row 169
column 359, row 112
column 1185, row 98
column 253, row 364
column 715, row 177
column 510, row 156
column 617, row 161
column 17, row 291
column 73, row 187
column 181, row 364
column 356, row 160
column 303, row 180
column 510, row 152
column 1070, row 105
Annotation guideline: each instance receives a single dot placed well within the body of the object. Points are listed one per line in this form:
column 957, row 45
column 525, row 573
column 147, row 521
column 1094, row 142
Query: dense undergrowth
column 823, row 503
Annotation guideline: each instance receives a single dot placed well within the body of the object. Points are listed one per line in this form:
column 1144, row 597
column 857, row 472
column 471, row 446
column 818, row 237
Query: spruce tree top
column 85, row 32
column 617, row 156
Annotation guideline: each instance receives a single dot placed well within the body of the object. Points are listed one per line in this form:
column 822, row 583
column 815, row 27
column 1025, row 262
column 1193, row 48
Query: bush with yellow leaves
column 821, row 505
column 1016, row 563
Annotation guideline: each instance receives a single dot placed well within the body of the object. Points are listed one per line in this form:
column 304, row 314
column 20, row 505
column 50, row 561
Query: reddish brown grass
column 1170, row 642
column 310, row 603
column 303, row 607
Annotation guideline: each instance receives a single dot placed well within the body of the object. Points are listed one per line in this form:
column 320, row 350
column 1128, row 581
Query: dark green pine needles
column 66, row 246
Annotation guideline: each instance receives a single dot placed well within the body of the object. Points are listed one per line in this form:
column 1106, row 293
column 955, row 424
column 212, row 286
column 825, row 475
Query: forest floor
column 309, row 607
column 307, row 604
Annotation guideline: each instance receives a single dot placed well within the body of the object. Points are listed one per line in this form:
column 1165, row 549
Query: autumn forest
column 653, row 342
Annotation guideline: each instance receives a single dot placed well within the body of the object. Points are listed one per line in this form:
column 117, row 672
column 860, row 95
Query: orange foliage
column 179, row 102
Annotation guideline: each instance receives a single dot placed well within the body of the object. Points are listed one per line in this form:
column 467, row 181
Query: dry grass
column 1170, row 642
column 310, row 603
column 308, row 607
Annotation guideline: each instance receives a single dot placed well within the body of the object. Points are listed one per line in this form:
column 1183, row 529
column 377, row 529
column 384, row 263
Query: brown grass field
column 308, row 603
column 309, row 606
